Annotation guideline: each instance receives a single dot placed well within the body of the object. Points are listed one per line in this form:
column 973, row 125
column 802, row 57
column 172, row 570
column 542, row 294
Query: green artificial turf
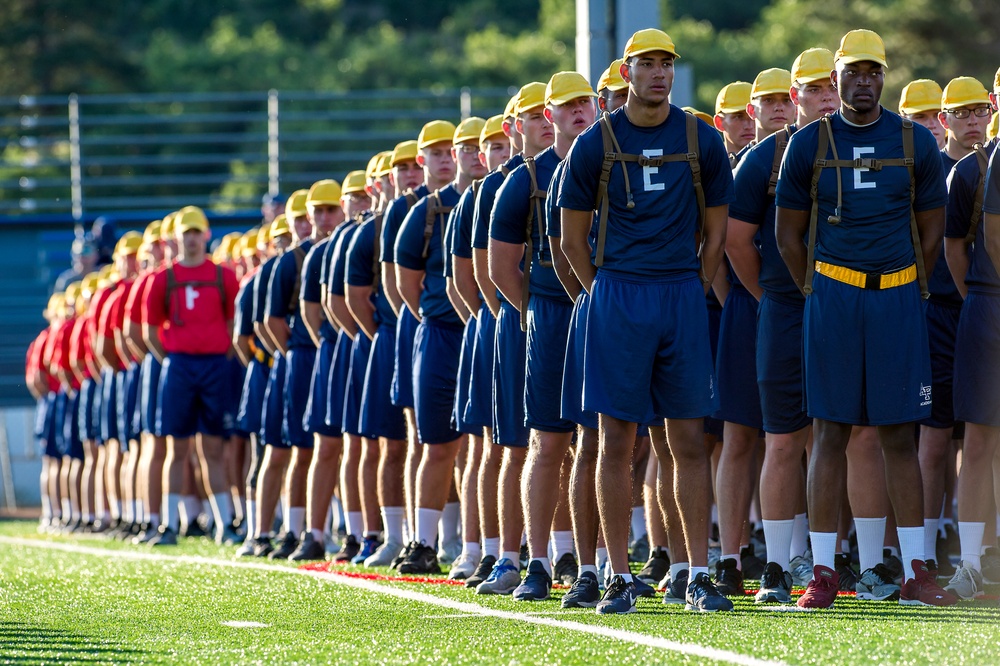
column 57, row 606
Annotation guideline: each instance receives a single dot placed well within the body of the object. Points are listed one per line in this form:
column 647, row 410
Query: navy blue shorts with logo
column 548, row 329
column 402, row 376
column 274, row 403
column 779, row 364
column 509, row 355
column 479, row 406
column 191, row 398
column 298, row 372
column 571, row 398
column 436, row 348
column 977, row 360
column 314, row 419
column 867, row 360
column 378, row 415
column 736, row 361
column 458, row 421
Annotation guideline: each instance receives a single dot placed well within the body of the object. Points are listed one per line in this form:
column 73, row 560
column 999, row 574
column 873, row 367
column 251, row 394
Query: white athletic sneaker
column 967, row 583
column 463, row 567
column 449, row 551
column 384, row 554
column 801, row 568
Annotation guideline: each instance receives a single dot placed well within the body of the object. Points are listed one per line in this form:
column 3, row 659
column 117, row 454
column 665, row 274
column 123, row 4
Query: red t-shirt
column 196, row 319
column 106, row 323
column 116, row 311
column 133, row 305
column 79, row 346
column 61, row 358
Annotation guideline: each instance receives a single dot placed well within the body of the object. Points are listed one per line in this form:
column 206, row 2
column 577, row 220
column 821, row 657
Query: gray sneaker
column 801, row 568
column 504, row 578
column 876, row 584
column 463, row 567
column 967, row 583
column 384, row 554
column 775, row 585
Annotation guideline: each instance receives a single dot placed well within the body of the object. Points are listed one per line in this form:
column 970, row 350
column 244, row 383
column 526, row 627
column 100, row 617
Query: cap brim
column 569, row 97
column 732, row 109
column 811, row 78
column 920, row 108
column 650, row 49
column 862, row 57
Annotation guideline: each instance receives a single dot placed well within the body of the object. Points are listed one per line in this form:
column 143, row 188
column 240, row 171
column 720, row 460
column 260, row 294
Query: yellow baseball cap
column 324, row 192
column 859, row 46
column 296, row 204
column 812, row 65
column 733, row 98
column 128, row 244
column 612, row 79
column 167, row 226
column 993, row 128
column 530, row 96
column 700, row 115
column 565, row 87
column 963, row 91
column 996, row 80
column 56, row 305
column 190, row 218
column 73, row 290
column 436, row 131
column 492, row 127
column 510, row 110
column 248, row 244
column 105, row 271
column 152, row 233
column 354, row 182
column 403, row 152
column 384, row 164
column 278, row 227
column 771, row 81
column 919, row 96
column 372, row 167
column 648, row 40
column 235, row 241
column 469, row 130
column 90, row 282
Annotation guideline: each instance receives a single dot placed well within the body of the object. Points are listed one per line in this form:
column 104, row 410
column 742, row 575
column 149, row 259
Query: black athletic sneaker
column 677, row 589
column 585, row 592
column 165, row 537
column 481, row 573
column 643, row 589
column 894, row 565
column 565, row 569
column 287, row 543
column 262, row 546
column 308, row 549
column 728, row 578
column 405, row 553
column 421, row 560
column 524, row 556
column 194, row 530
column 347, row 552
column 752, row 566
column 656, row 568
column 848, row 576
column 618, row 598
column 703, row 596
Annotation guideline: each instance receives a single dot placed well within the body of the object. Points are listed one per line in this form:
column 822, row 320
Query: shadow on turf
column 967, row 613
column 24, row 643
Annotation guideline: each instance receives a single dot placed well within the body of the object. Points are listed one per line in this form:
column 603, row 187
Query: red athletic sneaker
column 822, row 589
column 923, row 589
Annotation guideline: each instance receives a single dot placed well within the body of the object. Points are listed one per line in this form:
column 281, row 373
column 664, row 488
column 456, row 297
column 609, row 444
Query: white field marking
column 244, row 624
column 632, row 637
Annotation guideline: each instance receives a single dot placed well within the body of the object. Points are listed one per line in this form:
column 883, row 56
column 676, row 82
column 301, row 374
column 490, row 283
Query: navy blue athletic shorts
column 458, row 421
column 648, row 353
column 191, row 398
column 298, row 373
column 436, row 348
column 48, row 436
column 58, row 446
column 942, row 330
column 548, row 329
column 402, row 375
column 378, row 415
column 977, row 361
column 252, row 399
column 571, row 397
column 479, row 407
column 314, row 419
column 336, row 391
column 86, row 423
column 736, row 361
column 779, row 364
column 274, row 403
column 74, row 444
column 147, row 393
column 128, row 398
column 867, row 360
column 361, row 349
column 234, row 391
column 509, row 354
column 109, row 405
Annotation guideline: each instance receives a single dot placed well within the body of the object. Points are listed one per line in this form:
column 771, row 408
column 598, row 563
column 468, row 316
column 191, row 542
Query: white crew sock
column 930, row 538
column 115, row 509
column 546, row 564
column 472, row 550
column 824, row 548
column 353, row 523
column 297, row 520
column 602, row 555
column 222, row 509
column 562, row 543
column 676, row 568
column 154, row 521
column 778, row 537
column 911, row 547
column 46, row 507
column 451, row 522
column 735, row 558
column 139, row 510
column 250, row 520
column 871, row 536
column 171, row 511
column 588, row 568
column 513, row 556
column 694, row 571
column 970, row 535
column 638, row 522
column 491, row 546
column 427, row 525
column 392, row 519
column 206, row 508
column 800, row 536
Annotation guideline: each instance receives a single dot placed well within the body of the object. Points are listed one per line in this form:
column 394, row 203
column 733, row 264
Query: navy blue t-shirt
column 360, row 272
column 485, row 199
column 338, row 258
column 312, row 290
column 655, row 239
column 281, row 292
column 461, row 234
column 753, row 205
column 940, row 283
column 874, row 233
column 982, row 275
column 261, row 285
column 244, row 309
column 509, row 220
column 395, row 213
column 434, row 302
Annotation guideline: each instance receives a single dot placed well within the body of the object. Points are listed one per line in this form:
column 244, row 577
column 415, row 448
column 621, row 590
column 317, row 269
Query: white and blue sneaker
column 584, row 593
column 504, row 578
column 618, row 598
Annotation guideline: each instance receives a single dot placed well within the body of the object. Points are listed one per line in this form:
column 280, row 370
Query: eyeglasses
column 468, row 148
column 963, row 112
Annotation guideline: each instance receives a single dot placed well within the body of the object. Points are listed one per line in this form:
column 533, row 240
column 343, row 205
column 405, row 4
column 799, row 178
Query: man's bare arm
column 790, row 229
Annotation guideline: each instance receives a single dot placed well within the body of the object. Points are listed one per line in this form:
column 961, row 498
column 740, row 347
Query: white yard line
column 461, row 607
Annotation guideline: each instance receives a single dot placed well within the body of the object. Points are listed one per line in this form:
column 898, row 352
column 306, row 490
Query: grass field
column 89, row 600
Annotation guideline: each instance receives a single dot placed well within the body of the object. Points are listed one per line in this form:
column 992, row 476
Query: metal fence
column 83, row 155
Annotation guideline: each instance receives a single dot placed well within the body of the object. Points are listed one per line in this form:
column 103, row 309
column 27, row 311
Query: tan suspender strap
column 780, row 143
column 908, row 162
column 504, row 170
column 173, row 284
column 376, row 248
column 293, row 299
column 535, row 216
column 411, row 198
column 613, row 153
column 822, row 143
column 977, row 202
column 434, row 208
